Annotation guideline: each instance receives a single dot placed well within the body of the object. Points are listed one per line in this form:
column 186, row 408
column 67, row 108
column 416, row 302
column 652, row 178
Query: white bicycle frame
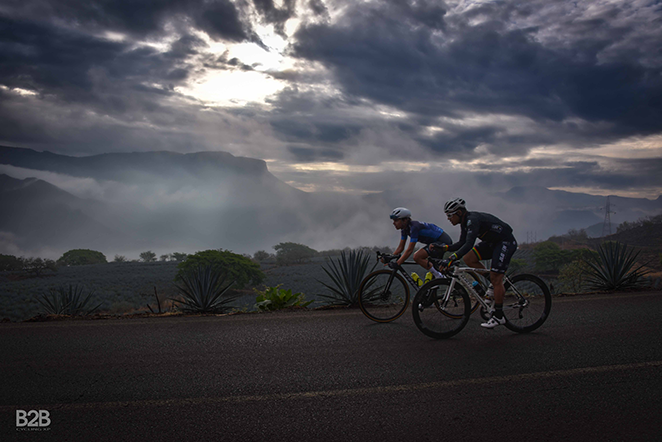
column 458, row 275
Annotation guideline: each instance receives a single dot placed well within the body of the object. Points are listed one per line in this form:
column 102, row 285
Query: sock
column 435, row 272
column 498, row 310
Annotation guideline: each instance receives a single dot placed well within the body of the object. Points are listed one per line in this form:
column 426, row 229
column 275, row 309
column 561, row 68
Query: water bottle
column 477, row 287
column 428, row 277
column 417, row 279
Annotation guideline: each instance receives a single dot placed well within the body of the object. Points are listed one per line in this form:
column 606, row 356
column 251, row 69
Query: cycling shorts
column 499, row 252
column 436, row 251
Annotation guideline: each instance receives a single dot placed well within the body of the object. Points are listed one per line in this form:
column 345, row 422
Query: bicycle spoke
column 383, row 296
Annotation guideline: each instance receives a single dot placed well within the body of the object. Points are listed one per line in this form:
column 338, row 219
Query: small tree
column 236, row 267
column 36, row 266
column 261, row 255
column 119, row 258
column 78, row 257
column 148, row 256
column 179, row 257
column 10, row 263
column 293, row 253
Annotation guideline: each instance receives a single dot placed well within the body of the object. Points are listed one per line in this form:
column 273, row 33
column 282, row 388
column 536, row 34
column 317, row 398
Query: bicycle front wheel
column 383, row 296
column 439, row 313
column 527, row 303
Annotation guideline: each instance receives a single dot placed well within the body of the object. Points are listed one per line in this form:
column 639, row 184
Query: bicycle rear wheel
column 436, row 316
column 383, row 296
column 527, row 303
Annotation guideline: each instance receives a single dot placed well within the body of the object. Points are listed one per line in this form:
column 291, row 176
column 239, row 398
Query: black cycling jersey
column 481, row 225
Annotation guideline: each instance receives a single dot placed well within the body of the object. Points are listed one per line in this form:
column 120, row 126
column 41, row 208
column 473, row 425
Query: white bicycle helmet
column 454, row 205
column 400, row 213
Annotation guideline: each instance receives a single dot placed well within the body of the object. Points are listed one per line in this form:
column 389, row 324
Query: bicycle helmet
column 400, row 213
column 454, row 205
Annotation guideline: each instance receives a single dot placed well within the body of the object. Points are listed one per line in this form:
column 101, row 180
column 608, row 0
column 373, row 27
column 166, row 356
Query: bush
column 573, row 276
column 10, row 263
column 119, row 258
column 346, row 275
column 238, row 268
column 78, row 257
column 293, row 253
column 275, row 298
column 549, row 256
column 67, row 301
column 613, row 268
column 203, row 290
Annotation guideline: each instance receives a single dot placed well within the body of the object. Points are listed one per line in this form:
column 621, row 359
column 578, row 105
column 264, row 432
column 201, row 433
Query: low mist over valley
column 126, row 203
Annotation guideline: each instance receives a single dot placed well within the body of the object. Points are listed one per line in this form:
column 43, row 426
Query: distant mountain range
column 168, row 202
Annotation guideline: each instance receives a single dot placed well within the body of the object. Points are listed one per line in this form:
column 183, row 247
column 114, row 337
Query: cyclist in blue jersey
column 418, row 231
column 497, row 243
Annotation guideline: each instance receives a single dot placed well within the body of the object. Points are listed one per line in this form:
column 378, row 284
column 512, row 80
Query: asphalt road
column 592, row 372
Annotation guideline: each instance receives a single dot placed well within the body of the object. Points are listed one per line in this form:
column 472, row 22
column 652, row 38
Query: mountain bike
column 442, row 307
column 384, row 294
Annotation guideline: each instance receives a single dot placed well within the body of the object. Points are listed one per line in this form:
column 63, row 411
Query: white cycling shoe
column 493, row 322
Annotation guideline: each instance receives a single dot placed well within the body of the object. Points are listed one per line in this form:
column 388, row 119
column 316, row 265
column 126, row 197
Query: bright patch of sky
column 239, row 87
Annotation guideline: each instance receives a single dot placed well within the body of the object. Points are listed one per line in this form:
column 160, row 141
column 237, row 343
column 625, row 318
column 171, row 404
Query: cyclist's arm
column 462, row 247
column 400, row 247
column 407, row 253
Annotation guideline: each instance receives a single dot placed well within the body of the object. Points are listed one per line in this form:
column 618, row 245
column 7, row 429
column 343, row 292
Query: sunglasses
column 450, row 215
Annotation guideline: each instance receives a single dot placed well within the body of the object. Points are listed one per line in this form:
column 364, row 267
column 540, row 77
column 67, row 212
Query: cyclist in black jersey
column 497, row 243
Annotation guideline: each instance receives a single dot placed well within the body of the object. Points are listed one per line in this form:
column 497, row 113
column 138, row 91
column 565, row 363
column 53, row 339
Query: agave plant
column 614, row 268
column 346, row 275
column 203, row 291
column 67, row 301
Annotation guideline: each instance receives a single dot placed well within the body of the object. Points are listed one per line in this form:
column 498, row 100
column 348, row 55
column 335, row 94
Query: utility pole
column 606, row 225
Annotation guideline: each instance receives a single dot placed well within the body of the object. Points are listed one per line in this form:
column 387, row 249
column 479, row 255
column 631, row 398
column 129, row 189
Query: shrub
column 293, row 253
column 275, row 298
column 613, row 268
column 549, row 256
column 119, row 258
column 573, row 276
column 10, row 263
column 67, row 301
column 203, row 291
column 78, row 257
column 346, row 275
column 238, row 268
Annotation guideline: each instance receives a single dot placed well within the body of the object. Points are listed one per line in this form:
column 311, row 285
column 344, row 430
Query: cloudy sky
column 353, row 96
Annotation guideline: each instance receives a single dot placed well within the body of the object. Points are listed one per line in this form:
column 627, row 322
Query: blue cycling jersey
column 426, row 233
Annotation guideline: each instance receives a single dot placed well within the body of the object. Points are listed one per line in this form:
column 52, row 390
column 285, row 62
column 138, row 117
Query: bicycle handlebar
column 385, row 257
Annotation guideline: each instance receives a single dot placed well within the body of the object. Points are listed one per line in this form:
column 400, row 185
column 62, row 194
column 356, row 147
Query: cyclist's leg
column 421, row 258
column 472, row 259
column 500, row 260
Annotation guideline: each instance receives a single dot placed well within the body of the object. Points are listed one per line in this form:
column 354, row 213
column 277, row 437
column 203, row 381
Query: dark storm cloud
column 314, row 132
column 307, row 155
column 220, row 18
column 492, row 68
